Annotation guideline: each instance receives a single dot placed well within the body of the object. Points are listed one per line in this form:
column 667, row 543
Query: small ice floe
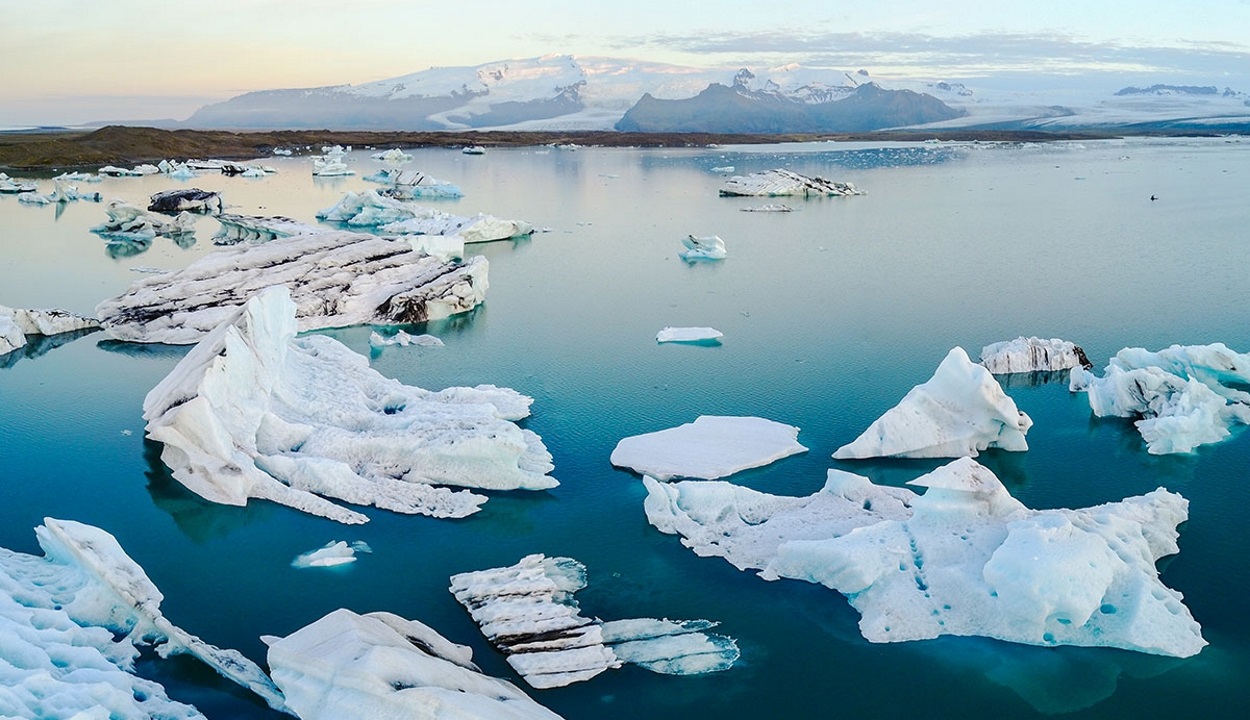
column 331, row 554
column 413, row 185
column 394, row 156
column 769, row 208
column 147, row 270
column 473, row 229
column 529, row 613
column 250, row 229
column 403, row 339
column 331, row 163
column 76, row 177
column 17, row 323
column 964, row 558
column 698, row 335
column 703, row 248
column 9, row 186
column 188, row 199
column 130, row 221
column 364, row 667
column 72, row 623
column 282, row 151
column 711, row 447
column 724, row 169
column 473, row 150
column 959, row 412
column 114, row 171
column 1184, row 395
column 253, row 411
column 781, row 182
column 1032, row 354
column 253, row 172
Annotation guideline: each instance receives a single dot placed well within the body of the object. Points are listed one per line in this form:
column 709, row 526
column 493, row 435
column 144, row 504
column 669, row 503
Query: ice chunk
column 332, row 163
column 411, row 185
column 131, row 221
column 17, row 323
column 779, row 182
column 367, row 209
column 1184, row 395
column 394, row 156
column 404, row 339
column 331, row 554
column 703, row 248
column 960, row 411
column 473, row 150
column 192, row 199
column 1032, row 354
column 347, row 666
column 336, row 279
column 769, row 208
column 688, row 335
column 527, row 610
column 475, row 229
column 723, row 169
column 253, row 411
column 250, row 229
column 711, row 447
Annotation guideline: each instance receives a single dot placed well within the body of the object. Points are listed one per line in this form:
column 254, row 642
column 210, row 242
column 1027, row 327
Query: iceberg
column 473, row 150
column 781, row 182
column 688, row 335
column 394, row 156
column 130, row 221
column 711, row 447
column 527, row 610
column 703, row 248
column 1032, row 354
column 412, row 185
column 960, row 411
column 17, row 323
column 475, row 229
column 769, row 208
column 331, row 163
column 403, row 339
column 252, row 411
column 347, row 666
column 71, row 623
column 1184, row 395
column 332, row 554
column 114, row 171
column 367, row 209
column 190, row 199
column 964, row 558
column 251, row 229
column 335, row 278
column 10, row 186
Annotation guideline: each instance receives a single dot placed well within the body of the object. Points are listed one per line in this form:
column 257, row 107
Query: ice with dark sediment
column 17, row 323
column 253, row 411
column 964, row 558
column 528, row 611
column 252, row 229
column 703, row 248
column 711, row 447
column 189, row 199
column 336, row 278
column 960, row 411
column 1032, row 354
column 782, row 182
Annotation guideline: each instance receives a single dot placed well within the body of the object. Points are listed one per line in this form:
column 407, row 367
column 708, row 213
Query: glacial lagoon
column 829, row 315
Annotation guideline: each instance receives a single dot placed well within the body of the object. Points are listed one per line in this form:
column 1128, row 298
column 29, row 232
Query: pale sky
column 73, row 61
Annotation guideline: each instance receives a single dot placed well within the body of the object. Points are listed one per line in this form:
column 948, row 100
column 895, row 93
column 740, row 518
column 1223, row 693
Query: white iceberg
column 254, row 411
column 394, row 156
column 251, row 229
column 959, row 412
column 473, row 150
column 348, row 667
column 114, row 171
column 1184, row 395
column 403, row 339
column 131, row 221
column 332, row 554
column 17, row 323
column 474, row 229
column 1032, row 354
column 332, row 163
column 703, row 248
column 781, row 182
column 367, row 209
column 688, row 335
column 336, row 279
column 10, row 186
column 190, row 199
column 711, row 447
column 527, row 610
column 965, row 558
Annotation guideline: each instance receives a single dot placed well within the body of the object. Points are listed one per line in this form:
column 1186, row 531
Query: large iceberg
column 347, row 666
column 254, row 411
column 781, row 182
column 71, row 623
column 336, row 279
column 528, row 611
column 1032, row 354
column 711, row 447
column 1184, row 395
column 17, row 323
column 964, row 558
column 960, row 411
column 367, row 209
column 186, row 199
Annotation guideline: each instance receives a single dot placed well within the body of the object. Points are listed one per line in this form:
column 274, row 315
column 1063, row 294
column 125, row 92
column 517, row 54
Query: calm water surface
column 830, row 314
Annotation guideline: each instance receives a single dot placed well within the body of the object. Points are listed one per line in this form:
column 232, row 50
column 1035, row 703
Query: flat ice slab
column 332, row 554
column 959, row 412
column 688, row 335
column 964, row 558
column 364, row 667
column 711, row 447
column 781, row 182
column 1032, row 354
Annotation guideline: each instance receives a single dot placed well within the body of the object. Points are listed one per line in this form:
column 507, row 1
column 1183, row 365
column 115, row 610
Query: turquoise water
column 830, row 314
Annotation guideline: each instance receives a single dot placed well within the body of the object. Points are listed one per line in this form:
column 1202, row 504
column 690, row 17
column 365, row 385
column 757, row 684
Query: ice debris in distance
column 332, row 554
column 703, row 248
column 528, row 611
column 688, row 335
column 254, row 411
column 711, row 447
column 133, row 222
column 769, row 208
column 17, row 323
column 347, row 666
column 960, row 411
column 403, row 339
column 71, row 623
column 412, row 185
column 336, row 279
column 473, row 229
column 394, row 156
column 964, row 558
column 1032, row 354
column 186, row 199
column 1184, row 395
column 332, row 163
column 781, row 182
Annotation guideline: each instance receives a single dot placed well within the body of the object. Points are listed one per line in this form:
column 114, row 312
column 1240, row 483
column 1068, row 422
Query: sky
column 76, row 61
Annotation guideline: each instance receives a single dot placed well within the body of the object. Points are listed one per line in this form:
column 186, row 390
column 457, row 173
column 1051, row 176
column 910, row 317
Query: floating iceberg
column 10, row 186
column 412, row 185
column 769, row 208
column 780, row 182
column 336, row 279
column 70, row 625
column 114, row 171
column 965, row 558
column 331, row 163
column 1185, row 395
column 711, row 447
column 364, row 667
column 17, row 323
column 1032, row 354
column 528, row 612
column 132, row 221
column 190, row 199
column 688, row 335
column 251, row 229
column 960, row 411
column 475, row 229
column 703, row 248
column 403, row 339
column 254, row 411
column 473, row 150
column 395, row 156
column 331, row 554
column 367, row 209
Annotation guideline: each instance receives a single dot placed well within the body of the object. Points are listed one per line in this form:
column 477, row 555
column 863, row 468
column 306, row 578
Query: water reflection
column 38, row 345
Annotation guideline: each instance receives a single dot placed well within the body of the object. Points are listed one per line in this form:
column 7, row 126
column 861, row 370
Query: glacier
column 252, row 411
column 782, row 182
column 711, row 447
column 17, row 323
column 960, row 411
column 528, row 611
column 703, row 248
column 1032, row 354
column 964, row 558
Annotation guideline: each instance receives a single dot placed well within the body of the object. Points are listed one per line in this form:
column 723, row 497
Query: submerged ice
column 711, row 447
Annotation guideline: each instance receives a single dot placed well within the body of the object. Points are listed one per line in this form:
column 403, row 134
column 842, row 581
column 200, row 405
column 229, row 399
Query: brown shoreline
column 123, row 145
